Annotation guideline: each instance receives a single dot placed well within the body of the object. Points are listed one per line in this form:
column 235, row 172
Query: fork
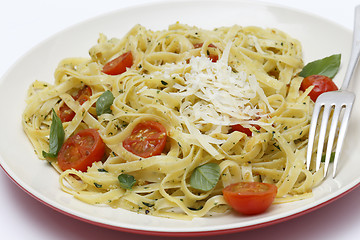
column 340, row 104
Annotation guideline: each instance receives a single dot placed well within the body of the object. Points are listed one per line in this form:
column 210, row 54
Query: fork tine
column 342, row 132
column 312, row 131
column 322, row 134
column 334, row 124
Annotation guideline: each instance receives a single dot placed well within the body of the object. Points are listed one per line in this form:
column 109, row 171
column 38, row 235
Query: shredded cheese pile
column 224, row 95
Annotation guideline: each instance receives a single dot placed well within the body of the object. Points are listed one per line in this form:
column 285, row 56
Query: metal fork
column 340, row 104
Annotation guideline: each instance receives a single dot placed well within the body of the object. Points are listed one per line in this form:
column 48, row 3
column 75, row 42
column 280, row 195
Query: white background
column 24, row 24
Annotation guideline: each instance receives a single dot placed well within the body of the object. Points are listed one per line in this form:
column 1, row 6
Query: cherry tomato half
column 119, row 64
column 81, row 150
column 250, row 197
column 212, row 57
column 83, row 95
column 66, row 114
column 239, row 128
column 147, row 139
column 321, row 84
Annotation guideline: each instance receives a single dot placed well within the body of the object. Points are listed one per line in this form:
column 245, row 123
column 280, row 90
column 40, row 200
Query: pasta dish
column 174, row 116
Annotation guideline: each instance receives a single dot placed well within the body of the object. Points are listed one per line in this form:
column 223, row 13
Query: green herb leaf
column 104, row 103
column 328, row 66
column 57, row 137
column 205, row 177
column 126, row 181
column 332, row 157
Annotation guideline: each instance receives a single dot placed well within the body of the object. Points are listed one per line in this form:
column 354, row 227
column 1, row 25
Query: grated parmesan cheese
column 223, row 95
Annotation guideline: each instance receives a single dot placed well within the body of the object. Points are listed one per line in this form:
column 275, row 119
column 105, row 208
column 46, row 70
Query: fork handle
column 355, row 51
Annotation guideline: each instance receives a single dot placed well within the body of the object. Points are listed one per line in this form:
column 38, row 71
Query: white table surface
column 23, row 24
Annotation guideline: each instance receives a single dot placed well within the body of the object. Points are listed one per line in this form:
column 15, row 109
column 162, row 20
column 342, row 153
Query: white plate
column 319, row 38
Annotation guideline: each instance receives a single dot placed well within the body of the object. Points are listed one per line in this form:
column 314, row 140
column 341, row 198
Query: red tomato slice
column 147, row 139
column 199, row 45
column 119, row 64
column 66, row 114
column 239, row 128
column 83, row 95
column 250, row 197
column 212, row 57
column 81, row 150
column 321, row 84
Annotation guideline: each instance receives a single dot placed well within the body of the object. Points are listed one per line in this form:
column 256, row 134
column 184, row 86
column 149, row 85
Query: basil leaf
column 328, row 66
column 205, row 177
column 104, row 103
column 57, row 136
column 126, row 181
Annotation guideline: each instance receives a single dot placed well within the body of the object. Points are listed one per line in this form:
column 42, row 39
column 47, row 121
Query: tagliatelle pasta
column 198, row 84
